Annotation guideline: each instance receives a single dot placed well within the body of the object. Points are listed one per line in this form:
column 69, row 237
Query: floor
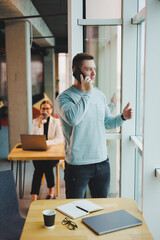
column 4, row 150
column 6, row 165
column 25, row 202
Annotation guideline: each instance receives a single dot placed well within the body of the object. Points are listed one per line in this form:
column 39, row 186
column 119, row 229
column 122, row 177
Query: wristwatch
column 123, row 117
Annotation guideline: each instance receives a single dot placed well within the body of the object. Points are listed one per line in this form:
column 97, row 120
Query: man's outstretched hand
column 127, row 112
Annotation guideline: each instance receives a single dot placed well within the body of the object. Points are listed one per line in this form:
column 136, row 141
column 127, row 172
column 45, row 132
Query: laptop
column 33, row 142
column 110, row 222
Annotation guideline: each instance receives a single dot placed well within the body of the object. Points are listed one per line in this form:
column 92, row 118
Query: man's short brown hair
column 78, row 59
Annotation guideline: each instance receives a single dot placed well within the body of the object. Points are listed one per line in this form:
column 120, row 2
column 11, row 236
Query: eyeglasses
column 70, row 225
column 43, row 109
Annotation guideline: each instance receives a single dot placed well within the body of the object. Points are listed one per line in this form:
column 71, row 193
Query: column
column 49, row 75
column 18, row 57
column 75, row 32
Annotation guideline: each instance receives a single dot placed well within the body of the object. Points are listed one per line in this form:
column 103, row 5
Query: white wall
column 151, row 157
column 128, row 95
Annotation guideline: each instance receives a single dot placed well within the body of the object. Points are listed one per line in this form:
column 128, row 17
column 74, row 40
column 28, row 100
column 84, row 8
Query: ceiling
column 56, row 23
column 54, row 14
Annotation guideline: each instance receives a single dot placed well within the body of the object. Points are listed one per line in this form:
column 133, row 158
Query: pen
column 82, row 209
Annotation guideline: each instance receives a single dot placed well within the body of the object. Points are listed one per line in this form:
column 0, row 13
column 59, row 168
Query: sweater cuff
column 123, row 117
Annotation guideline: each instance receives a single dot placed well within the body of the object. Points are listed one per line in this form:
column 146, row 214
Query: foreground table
column 34, row 226
column 54, row 152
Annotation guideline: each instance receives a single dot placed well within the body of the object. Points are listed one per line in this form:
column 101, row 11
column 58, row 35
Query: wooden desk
column 54, row 152
column 34, row 226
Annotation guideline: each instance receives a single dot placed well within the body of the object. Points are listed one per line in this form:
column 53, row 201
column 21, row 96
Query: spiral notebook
column 110, row 222
column 78, row 208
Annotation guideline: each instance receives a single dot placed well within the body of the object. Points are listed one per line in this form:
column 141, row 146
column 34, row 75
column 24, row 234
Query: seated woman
column 52, row 129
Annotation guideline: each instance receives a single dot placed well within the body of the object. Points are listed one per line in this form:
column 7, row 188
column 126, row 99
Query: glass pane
column 37, row 75
column 141, row 4
column 113, row 148
column 100, row 9
column 138, row 180
column 140, row 81
column 62, row 71
column 104, row 43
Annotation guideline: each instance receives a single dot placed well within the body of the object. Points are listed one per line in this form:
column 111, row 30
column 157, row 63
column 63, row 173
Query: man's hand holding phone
column 86, row 83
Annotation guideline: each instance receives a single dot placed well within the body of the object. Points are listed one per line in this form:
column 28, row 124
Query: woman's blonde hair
column 46, row 101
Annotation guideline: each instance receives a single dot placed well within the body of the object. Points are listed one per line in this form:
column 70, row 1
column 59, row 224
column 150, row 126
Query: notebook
column 110, row 222
column 78, row 208
column 33, row 142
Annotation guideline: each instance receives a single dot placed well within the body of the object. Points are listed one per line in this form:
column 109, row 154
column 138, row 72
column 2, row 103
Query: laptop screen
column 33, row 142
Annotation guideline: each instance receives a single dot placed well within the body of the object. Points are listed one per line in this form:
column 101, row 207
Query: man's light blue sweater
column 84, row 117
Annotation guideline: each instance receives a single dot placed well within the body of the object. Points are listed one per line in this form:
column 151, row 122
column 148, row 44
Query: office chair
column 11, row 222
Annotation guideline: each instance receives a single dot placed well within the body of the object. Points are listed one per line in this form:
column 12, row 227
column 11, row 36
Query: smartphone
column 77, row 73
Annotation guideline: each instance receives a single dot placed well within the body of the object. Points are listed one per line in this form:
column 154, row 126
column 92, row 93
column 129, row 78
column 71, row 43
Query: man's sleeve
column 72, row 112
column 111, row 121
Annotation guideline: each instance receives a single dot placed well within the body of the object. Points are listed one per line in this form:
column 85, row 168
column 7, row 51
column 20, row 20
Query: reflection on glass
column 3, row 78
column 113, row 147
column 140, row 81
column 138, row 180
column 62, row 71
column 36, row 75
column 103, row 9
column 113, row 150
column 141, row 4
column 104, row 43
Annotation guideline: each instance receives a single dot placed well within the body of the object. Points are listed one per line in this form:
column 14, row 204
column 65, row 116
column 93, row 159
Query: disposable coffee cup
column 44, row 120
column 49, row 218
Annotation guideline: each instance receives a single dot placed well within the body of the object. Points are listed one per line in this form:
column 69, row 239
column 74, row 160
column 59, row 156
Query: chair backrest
column 8, row 196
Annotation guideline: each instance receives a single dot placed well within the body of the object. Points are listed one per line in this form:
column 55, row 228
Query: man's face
column 89, row 69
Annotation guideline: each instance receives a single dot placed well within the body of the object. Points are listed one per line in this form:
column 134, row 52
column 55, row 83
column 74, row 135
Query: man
column 84, row 115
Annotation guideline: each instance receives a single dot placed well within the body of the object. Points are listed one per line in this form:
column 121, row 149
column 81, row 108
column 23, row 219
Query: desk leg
column 21, row 184
column 16, row 173
column 20, row 180
column 57, row 170
column 12, row 165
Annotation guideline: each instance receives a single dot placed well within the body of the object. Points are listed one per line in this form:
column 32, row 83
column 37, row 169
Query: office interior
column 38, row 40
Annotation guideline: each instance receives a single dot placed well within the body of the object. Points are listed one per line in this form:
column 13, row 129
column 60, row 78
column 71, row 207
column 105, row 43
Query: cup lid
column 49, row 212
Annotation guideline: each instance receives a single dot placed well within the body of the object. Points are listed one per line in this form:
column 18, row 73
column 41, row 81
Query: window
column 104, row 43
column 62, row 72
column 103, row 9
column 141, row 5
column 138, row 179
column 140, row 81
column 137, row 140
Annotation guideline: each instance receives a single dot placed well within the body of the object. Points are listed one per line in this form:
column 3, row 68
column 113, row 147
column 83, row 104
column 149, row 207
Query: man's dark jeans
column 96, row 176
